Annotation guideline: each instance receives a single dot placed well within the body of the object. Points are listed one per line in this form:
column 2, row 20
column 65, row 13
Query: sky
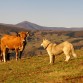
column 51, row 13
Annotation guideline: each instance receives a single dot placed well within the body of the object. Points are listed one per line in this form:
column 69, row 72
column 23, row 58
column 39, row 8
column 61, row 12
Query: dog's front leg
column 50, row 57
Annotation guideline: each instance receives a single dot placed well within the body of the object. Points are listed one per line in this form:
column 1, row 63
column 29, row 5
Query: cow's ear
column 18, row 34
column 27, row 32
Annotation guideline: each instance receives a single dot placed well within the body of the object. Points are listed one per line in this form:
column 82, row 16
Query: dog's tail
column 73, row 51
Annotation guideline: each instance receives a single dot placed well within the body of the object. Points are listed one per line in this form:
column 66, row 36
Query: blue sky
column 52, row 13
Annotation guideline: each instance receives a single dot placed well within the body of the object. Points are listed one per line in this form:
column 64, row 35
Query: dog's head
column 45, row 43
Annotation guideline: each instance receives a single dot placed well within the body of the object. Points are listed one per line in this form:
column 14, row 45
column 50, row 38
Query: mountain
column 33, row 26
column 29, row 25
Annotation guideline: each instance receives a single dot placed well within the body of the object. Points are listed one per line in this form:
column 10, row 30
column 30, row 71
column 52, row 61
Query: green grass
column 37, row 69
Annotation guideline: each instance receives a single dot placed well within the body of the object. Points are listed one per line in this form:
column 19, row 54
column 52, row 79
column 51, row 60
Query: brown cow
column 20, row 40
column 11, row 42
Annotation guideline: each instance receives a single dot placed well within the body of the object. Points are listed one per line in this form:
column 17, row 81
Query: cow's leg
column 16, row 54
column 4, row 56
column 1, row 57
column 8, row 55
column 20, row 53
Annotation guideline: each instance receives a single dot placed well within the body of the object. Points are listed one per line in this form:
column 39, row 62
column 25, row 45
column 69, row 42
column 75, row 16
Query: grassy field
column 37, row 69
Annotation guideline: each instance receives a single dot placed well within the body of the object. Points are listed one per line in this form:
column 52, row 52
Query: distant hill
column 29, row 25
column 33, row 26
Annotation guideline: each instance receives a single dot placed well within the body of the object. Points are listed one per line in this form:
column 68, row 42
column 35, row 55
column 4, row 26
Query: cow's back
column 11, row 42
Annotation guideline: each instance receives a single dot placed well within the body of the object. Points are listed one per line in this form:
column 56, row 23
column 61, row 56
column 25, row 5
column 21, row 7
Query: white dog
column 54, row 49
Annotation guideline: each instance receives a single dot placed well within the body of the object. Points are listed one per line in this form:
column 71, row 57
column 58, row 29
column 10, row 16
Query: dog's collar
column 47, row 45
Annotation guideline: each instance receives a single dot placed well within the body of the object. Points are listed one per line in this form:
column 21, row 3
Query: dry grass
column 37, row 69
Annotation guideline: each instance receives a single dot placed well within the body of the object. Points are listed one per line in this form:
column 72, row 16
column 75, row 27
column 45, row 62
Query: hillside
column 37, row 69
column 33, row 26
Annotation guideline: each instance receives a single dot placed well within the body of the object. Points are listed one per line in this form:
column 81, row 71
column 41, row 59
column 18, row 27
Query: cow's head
column 23, row 35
